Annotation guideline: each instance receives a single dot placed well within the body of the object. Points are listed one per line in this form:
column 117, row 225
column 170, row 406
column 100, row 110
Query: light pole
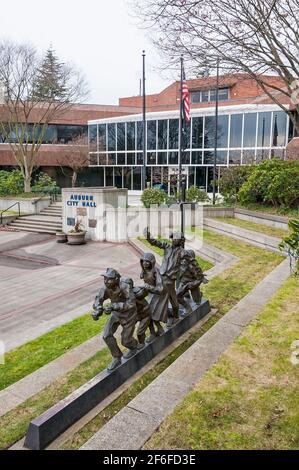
column 144, row 124
column 216, row 131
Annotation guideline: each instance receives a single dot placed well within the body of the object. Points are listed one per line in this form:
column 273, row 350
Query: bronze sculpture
column 190, row 278
column 169, row 269
column 122, row 312
column 143, row 311
column 157, row 296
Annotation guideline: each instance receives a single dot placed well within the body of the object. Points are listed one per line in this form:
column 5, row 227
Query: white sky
column 98, row 36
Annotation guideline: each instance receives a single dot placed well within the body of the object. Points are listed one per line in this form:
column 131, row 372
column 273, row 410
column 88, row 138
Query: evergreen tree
column 50, row 81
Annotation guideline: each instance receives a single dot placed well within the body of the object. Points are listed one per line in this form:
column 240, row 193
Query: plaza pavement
column 44, row 284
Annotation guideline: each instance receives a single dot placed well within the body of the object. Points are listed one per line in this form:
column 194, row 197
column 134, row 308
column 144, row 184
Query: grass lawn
column 224, row 291
column 272, row 231
column 204, row 264
column 249, row 399
column 282, row 211
column 35, row 354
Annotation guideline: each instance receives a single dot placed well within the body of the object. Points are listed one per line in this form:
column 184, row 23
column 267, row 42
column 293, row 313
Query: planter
column 61, row 237
column 76, row 238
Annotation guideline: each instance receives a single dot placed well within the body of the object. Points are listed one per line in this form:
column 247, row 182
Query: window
column 151, row 158
column 111, row 137
column 137, row 178
column 205, row 96
column 186, row 157
column 139, row 135
column 139, row 158
column 162, row 134
column 234, row 157
column 209, row 132
column 236, row 130
column 195, row 97
column 196, row 158
column 197, row 130
column 130, row 158
column 222, row 140
column 173, row 133
column 131, row 136
column 249, row 129
column 121, row 131
column 121, row 159
column 223, row 94
column 264, row 126
column 92, row 136
column 173, row 158
column 102, row 137
column 279, row 129
column 151, row 135
column 93, row 159
column 162, row 158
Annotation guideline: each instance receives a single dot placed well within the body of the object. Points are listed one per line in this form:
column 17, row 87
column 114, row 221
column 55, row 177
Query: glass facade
column 58, row 134
column 243, row 138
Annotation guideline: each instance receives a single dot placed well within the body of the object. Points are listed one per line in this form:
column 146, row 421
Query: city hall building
column 250, row 129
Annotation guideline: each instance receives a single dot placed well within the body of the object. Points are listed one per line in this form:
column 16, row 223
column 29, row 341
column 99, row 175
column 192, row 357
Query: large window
column 121, row 142
column 249, row 129
column 162, row 134
column 102, row 137
column 131, row 136
column 264, row 127
column 173, row 133
column 206, row 96
column 111, row 137
column 139, row 135
column 279, row 129
column 236, row 125
column 197, row 130
column 151, row 135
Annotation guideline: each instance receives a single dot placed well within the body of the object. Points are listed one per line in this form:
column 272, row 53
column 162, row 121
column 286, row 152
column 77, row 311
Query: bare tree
column 26, row 112
column 255, row 37
column 75, row 157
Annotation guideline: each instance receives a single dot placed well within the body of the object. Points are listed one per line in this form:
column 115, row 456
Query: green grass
column 249, row 399
column 282, row 211
column 35, row 354
column 272, row 231
column 224, row 291
column 204, row 264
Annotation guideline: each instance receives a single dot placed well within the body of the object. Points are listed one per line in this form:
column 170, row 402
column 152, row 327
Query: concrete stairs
column 48, row 221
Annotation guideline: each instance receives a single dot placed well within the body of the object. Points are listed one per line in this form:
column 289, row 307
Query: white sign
column 174, row 170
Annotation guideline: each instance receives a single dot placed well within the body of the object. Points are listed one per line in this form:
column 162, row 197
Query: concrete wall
column 263, row 219
column 27, row 205
column 210, row 211
column 255, row 238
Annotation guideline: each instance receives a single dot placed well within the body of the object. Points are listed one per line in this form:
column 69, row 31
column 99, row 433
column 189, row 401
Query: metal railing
column 7, row 209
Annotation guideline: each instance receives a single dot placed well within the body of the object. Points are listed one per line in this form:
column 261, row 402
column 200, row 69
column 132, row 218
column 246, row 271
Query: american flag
column 185, row 98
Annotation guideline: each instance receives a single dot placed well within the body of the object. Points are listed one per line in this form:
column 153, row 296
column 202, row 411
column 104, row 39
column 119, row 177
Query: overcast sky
column 98, row 36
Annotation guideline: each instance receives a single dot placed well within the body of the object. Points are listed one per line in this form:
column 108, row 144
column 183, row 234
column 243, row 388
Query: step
column 40, row 218
column 39, row 230
column 35, row 224
column 53, row 214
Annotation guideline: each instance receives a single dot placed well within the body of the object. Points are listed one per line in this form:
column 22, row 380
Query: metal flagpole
column 181, row 149
column 216, row 133
column 144, row 124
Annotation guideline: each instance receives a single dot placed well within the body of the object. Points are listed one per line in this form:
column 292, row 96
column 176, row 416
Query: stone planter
column 76, row 238
column 61, row 237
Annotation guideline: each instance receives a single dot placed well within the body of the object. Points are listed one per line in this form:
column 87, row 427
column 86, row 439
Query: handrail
column 7, row 209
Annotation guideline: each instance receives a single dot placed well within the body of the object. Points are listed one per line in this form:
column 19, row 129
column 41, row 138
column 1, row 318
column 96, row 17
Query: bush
column 274, row 182
column 44, row 183
column 11, row 183
column 194, row 194
column 151, row 196
column 290, row 244
column 231, row 181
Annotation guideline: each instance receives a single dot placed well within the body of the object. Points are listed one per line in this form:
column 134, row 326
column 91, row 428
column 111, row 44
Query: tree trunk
column 74, row 179
column 27, row 184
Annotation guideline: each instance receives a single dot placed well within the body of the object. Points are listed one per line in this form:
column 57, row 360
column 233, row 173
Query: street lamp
column 216, row 131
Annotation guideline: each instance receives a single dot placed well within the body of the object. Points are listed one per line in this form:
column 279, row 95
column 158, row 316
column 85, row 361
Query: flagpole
column 216, row 131
column 181, row 149
column 144, row 124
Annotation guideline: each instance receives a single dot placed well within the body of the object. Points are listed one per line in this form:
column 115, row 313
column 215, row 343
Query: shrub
column 11, row 183
column 194, row 194
column 274, row 182
column 231, row 181
column 290, row 244
column 151, row 196
column 43, row 182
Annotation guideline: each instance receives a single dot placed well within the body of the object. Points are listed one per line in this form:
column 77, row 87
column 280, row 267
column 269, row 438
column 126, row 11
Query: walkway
column 45, row 284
